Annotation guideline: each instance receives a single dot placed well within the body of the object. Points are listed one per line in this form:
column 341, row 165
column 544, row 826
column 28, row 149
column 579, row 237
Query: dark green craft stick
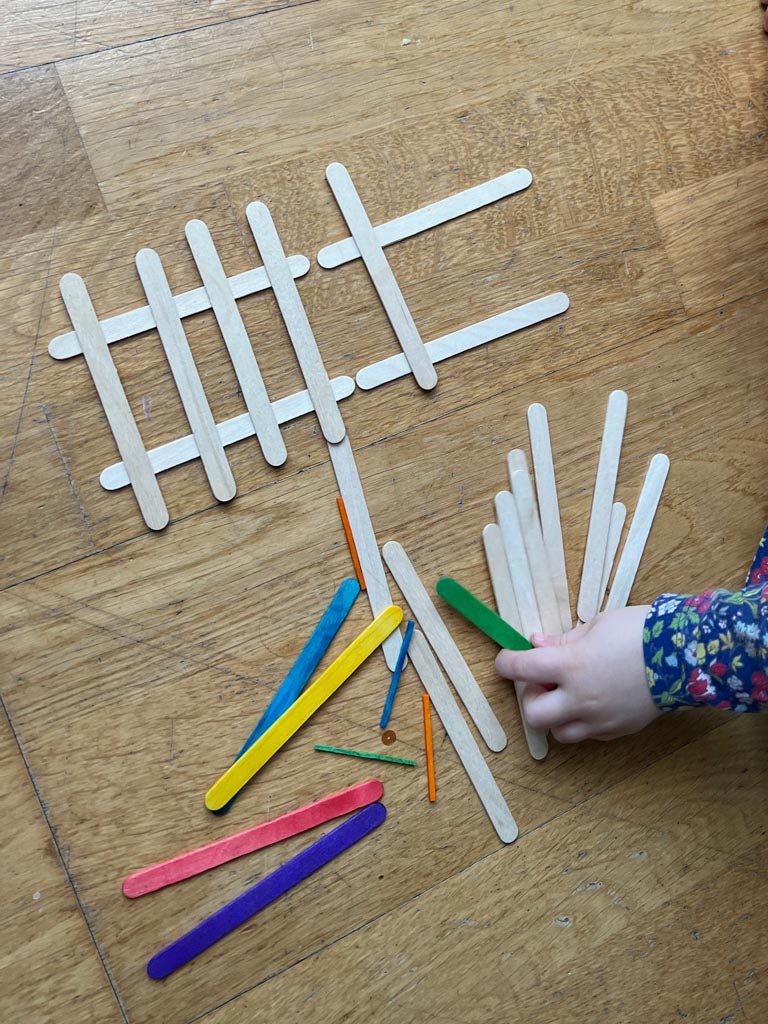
column 364, row 753
column 480, row 615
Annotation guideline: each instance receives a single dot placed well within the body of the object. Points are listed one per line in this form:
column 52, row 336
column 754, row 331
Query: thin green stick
column 364, row 753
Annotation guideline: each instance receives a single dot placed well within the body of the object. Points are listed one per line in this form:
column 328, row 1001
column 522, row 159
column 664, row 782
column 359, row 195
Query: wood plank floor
column 133, row 664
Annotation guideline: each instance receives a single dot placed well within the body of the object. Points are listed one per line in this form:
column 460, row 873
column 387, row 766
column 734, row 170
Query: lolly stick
column 204, row 858
column 350, row 541
column 237, row 341
column 377, row 588
column 188, row 383
column 116, row 408
column 642, row 520
column 602, row 502
column 528, row 516
column 296, row 322
column 467, row 338
column 517, row 560
column 506, row 603
column 266, row 891
column 398, row 671
column 431, row 216
column 462, row 739
column 444, row 645
column 381, row 275
column 324, row 749
column 326, row 684
column 480, row 615
column 618, row 516
column 549, row 508
column 428, row 747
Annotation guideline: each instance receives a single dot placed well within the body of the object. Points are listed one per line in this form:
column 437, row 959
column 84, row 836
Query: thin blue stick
column 399, row 665
column 304, row 666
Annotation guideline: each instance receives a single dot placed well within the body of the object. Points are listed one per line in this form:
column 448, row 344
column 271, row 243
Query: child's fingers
column 572, row 732
column 541, row 665
column 547, row 709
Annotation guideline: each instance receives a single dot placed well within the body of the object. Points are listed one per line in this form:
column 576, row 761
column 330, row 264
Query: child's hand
column 598, row 669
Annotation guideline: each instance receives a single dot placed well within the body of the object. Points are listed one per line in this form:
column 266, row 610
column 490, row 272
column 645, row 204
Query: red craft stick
column 351, row 542
column 268, row 832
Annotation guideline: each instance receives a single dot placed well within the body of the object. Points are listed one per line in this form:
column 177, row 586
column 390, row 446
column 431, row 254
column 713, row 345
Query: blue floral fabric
column 711, row 648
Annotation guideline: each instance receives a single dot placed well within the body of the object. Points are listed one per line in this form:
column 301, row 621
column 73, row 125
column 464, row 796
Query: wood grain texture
column 132, row 663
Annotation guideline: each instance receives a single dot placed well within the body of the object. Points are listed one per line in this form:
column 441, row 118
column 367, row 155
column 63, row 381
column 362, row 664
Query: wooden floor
column 134, row 663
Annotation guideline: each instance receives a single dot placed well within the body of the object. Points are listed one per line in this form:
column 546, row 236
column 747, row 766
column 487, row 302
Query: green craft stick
column 480, row 615
column 364, row 753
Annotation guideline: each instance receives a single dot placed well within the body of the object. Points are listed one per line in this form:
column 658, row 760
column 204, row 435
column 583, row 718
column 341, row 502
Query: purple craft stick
column 295, row 870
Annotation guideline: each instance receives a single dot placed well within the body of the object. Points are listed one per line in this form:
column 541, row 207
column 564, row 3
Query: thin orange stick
column 425, row 706
column 351, row 542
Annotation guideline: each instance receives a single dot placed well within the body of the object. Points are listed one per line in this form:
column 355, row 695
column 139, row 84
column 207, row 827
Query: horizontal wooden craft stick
column 466, row 339
column 296, row 322
column 184, row 449
column 430, row 216
column 616, row 525
column 266, row 891
column 381, row 275
column 267, row 833
column 326, row 684
column 365, row 754
column 549, row 508
column 642, row 521
column 238, row 343
column 137, row 321
column 116, row 408
column 429, row 752
column 448, row 653
column 602, row 503
column 462, row 739
column 376, row 586
column 350, row 541
column 530, row 526
column 188, row 383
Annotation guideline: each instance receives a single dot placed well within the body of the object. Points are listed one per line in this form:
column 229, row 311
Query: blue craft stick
column 398, row 671
column 304, row 666
column 232, row 914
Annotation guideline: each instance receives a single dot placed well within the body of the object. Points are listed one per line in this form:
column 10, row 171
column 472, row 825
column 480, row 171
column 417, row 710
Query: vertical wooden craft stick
column 462, row 739
column 517, row 560
column 182, row 363
column 528, row 517
column 549, row 508
column 602, row 502
column 112, row 396
column 237, row 341
column 377, row 588
column 296, row 322
column 350, row 541
column 618, row 516
column 381, row 275
column 448, row 653
column 428, row 747
column 506, row 605
column 642, row 520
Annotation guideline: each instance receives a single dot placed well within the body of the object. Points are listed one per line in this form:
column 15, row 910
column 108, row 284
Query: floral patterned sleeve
column 711, row 648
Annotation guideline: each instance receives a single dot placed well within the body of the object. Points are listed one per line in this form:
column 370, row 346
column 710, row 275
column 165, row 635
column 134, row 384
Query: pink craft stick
column 186, row 865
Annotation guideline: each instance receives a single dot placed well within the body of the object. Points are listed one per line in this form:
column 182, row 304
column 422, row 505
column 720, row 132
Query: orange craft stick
column 351, row 542
column 431, row 789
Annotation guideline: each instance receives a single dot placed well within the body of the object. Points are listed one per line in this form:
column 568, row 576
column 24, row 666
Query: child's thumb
column 541, row 665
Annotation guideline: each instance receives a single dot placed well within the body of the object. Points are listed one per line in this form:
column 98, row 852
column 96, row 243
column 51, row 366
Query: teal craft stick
column 398, row 671
column 364, row 753
column 303, row 668
column 480, row 615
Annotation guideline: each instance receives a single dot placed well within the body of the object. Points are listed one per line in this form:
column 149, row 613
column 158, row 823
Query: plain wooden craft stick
column 528, row 517
column 450, row 656
column 137, row 321
column 296, row 323
column 642, row 521
column 381, row 275
column 517, row 560
column 618, row 516
column 602, row 502
column 112, row 396
column 238, row 343
column 188, row 383
column 376, row 586
column 506, row 605
column 394, row 367
column 184, row 449
column 464, row 743
column 549, row 508
column 430, row 216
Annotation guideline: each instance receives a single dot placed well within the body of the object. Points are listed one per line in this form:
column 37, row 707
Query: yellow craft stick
column 326, row 684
